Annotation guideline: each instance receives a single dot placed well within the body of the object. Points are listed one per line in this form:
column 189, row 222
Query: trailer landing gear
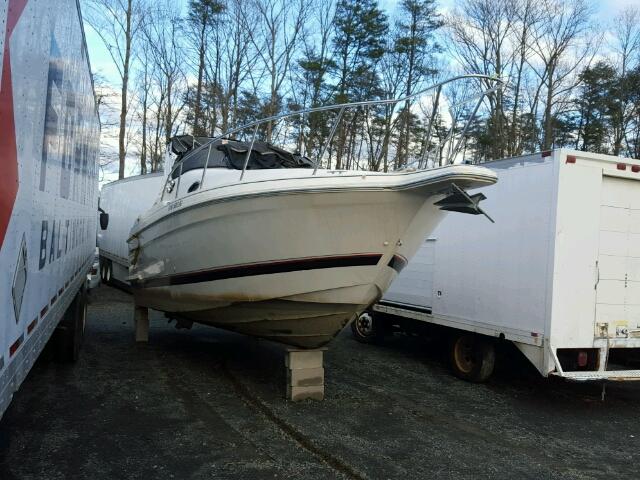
column 473, row 357
column 69, row 333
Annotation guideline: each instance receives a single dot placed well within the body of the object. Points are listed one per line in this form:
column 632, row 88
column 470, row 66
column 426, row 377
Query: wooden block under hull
column 297, row 394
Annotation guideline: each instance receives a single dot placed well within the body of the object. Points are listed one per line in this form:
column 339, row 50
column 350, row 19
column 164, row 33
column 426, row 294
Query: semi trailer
column 121, row 203
column 49, row 134
column 557, row 275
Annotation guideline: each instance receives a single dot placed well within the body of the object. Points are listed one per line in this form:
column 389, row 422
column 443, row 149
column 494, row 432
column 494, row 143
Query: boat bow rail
column 446, row 152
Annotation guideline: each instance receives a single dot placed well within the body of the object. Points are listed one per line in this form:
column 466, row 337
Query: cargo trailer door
column 618, row 282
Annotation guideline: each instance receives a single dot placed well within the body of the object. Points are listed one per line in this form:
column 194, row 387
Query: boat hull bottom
column 292, row 322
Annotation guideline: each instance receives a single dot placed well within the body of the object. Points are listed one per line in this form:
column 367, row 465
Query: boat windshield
column 231, row 154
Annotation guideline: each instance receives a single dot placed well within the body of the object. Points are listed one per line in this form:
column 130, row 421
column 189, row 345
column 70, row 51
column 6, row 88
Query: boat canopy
column 196, row 152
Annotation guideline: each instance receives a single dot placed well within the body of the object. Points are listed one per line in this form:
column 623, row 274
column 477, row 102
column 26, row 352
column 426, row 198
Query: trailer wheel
column 69, row 334
column 103, row 269
column 473, row 357
column 108, row 270
column 367, row 327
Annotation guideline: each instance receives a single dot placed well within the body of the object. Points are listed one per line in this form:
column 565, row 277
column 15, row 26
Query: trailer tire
column 103, row 267
column 69, row 335
column 473, row 357
column 368, row 327
column 108, row 272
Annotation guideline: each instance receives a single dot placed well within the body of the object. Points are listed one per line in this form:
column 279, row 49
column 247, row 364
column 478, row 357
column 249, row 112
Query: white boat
column 250, row 238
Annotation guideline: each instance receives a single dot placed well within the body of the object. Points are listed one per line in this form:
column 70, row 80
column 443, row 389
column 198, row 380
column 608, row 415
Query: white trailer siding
column 561, row 263
column 492, row 264
column 125, row 200
column 619, row 252
column 414, row 287
column 49, row 133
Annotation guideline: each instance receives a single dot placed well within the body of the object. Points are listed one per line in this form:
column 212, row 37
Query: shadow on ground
column 204, row 403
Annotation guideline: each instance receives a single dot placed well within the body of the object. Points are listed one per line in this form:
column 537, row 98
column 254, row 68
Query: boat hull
column 294, row 268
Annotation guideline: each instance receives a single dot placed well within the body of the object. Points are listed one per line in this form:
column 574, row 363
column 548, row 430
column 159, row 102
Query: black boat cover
column 231, row 154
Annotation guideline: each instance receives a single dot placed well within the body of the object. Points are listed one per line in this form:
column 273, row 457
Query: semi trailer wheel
column 368, row 327
column 69, row 334
column 108, row 271
column 473, row 357
column 101, row 269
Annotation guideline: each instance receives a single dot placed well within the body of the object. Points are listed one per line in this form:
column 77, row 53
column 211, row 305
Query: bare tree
column 528, row 15
column 276, row 38
column 144, row 87
column 201, row 19
column 564, row 43
column 228, row 64
column 480, row 33
column 626, row 47
column 117, row 23
column 162, row 29
column 416, row 46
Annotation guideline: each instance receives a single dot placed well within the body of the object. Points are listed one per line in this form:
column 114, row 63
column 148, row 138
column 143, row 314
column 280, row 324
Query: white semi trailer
column 558, row 274
column 121, row 203
column 49, row 133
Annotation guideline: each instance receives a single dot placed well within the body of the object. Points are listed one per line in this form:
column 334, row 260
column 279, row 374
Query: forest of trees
column 211, row 65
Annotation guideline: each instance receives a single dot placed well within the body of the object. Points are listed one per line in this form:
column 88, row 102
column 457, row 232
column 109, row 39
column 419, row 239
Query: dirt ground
column 204, row 403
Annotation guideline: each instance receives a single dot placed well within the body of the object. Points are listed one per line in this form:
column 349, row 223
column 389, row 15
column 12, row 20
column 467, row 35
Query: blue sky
column 101, row 62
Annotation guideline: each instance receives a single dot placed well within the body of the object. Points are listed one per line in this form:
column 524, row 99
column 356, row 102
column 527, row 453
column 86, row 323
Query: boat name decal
column 177, row 204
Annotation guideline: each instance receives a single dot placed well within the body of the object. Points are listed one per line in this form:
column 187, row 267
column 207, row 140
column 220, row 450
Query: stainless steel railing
column 491, row 84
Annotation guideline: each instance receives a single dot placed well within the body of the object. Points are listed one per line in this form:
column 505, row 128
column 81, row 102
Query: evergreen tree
column 201, row 19
column 359, row 41
column 416, row 46
column 594, row 107
column 360, row 30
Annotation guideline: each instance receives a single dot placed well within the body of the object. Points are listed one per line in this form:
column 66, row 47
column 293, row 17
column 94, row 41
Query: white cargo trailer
column 121, row 203
column 49, row 132
column 558, row 274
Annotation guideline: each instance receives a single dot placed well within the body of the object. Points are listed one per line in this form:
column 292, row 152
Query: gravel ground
column 204, row 403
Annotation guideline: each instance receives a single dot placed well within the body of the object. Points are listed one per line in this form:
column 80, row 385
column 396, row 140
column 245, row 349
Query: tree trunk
column 548, row 121
column 197, row 113
column 125, row 85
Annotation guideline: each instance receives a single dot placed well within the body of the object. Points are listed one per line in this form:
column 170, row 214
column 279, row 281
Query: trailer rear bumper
column 608, row 375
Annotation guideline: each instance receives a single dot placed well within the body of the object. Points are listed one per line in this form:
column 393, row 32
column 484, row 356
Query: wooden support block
column 304, row 358
column 305, row 374
column 141, row 322
column 296, row 394
column 305, row 377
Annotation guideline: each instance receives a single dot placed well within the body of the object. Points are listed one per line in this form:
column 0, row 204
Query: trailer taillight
column 635, row 168
column 582, row 359
column 571, row 159
column 621, row 166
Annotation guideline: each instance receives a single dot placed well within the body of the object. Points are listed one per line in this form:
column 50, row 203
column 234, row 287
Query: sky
column 102, row 64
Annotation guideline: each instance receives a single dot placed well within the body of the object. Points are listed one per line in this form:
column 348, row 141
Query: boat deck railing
column 448, row 149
